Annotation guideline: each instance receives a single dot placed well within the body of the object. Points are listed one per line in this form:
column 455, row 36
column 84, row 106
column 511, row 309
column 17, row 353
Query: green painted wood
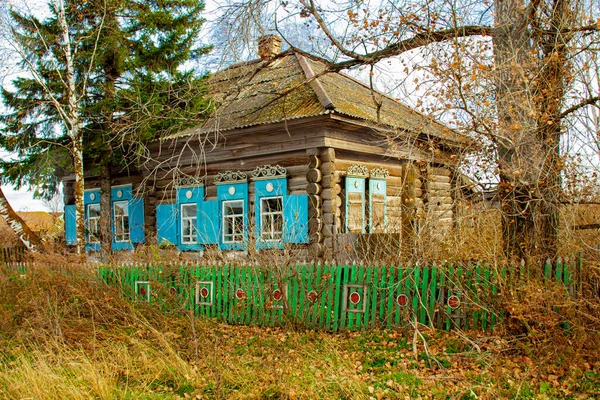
column 449, row 279
column 416, row 301
column 229, row 300
column 476, row 287
column 401, row 281
column 294, row 296
column 323, row 284
column 307, row 287
column 318, row 269
column 359, row 316
column 559, row 272
column 336, row 305
column 329, row 293
column 384, row 290
column 489, row 296
column 423, row 296
column 374, row 297
column 432, row 295
column 440, row 320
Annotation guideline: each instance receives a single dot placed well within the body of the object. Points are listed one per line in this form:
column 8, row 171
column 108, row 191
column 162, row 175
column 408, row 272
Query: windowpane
column 378, row 213
column 93, row 223
column 355, row 213
column 271, row 219
column 188, row 223
column 233, row 221
column 121, row 221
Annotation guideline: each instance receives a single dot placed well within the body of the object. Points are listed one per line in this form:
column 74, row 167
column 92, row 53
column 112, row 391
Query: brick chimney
column 268, row 46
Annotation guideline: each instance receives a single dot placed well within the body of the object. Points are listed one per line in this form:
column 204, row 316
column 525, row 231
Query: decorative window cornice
column 187, row 181
column 230, row 177
column 358, row 170
column 269, row 172
column 379, row 173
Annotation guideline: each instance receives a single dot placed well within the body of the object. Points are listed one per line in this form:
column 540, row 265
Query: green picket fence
column 333, row 297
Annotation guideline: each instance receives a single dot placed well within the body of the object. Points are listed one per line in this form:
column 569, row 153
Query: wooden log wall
column 438, row 197
column 331, row 197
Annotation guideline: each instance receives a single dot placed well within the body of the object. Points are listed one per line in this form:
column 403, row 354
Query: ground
column 67, row 335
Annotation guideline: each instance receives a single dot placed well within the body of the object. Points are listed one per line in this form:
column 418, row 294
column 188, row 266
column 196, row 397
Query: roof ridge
column 314, row 83
column 439, row 124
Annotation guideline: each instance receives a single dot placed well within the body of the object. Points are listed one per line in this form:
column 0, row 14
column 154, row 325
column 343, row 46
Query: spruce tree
column 115, row 49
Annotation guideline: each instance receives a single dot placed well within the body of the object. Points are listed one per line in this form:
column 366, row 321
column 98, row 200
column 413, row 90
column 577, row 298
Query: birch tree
column 83, row 67
column 46, row 53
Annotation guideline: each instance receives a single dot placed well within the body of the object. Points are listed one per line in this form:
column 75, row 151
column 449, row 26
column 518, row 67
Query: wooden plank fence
column 334, row 297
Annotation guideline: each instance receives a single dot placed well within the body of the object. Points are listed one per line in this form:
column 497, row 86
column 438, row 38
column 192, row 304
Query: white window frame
column 95, row 222
column 232, row 216
column 126, row 235
column 193, row 221
column 271, row 232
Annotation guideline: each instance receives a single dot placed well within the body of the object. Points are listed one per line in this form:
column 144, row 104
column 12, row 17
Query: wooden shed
column 293, row 155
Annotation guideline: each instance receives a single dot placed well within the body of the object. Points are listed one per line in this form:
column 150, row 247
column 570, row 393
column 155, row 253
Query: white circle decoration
column 92, row 196
column 188, row 194
column 270, row 187
column 356, row 184
column 119, row 193
column 231, row 190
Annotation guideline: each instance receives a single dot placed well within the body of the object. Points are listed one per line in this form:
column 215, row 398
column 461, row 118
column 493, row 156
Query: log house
column 293, row 155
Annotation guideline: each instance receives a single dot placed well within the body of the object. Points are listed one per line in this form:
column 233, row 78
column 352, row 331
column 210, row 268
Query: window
column 93, row 223
column 355, row 204
column 233, row 221
column 91, row 215
column 189, row 223
column 227, row 219
column 356, row 208
column 121, row 221
column 377, row 200
column 271, row 218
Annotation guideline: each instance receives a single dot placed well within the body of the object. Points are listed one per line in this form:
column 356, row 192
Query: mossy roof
column 267, row 92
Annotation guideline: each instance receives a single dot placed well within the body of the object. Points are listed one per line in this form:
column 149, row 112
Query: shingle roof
column 294, row 86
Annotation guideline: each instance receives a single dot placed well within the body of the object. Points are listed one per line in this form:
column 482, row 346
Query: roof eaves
column 202, row 130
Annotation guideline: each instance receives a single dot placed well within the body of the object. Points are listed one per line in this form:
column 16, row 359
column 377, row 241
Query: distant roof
column 38, row 221
column 292, row 86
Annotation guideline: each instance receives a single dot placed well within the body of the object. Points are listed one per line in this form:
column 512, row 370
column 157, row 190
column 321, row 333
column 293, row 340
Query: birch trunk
column 74, row 125
column 16, row 223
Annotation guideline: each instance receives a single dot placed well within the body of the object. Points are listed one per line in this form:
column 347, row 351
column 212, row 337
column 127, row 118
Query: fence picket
column 370, row 300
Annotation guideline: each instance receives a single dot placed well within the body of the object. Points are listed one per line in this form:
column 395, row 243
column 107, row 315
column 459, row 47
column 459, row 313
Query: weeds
column 64, row 334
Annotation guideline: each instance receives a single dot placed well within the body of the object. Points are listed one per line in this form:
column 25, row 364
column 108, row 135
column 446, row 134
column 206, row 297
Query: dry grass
column 66, row 335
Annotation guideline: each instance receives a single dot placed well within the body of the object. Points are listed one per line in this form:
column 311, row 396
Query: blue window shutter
column 136, row 221
column 208, row 222
column 190, row 194
column 295, row 216
column 70, row 225
column 166, row 224
column 355, row 186
column 120, row 193
column 91, row 196
column 377, row 187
